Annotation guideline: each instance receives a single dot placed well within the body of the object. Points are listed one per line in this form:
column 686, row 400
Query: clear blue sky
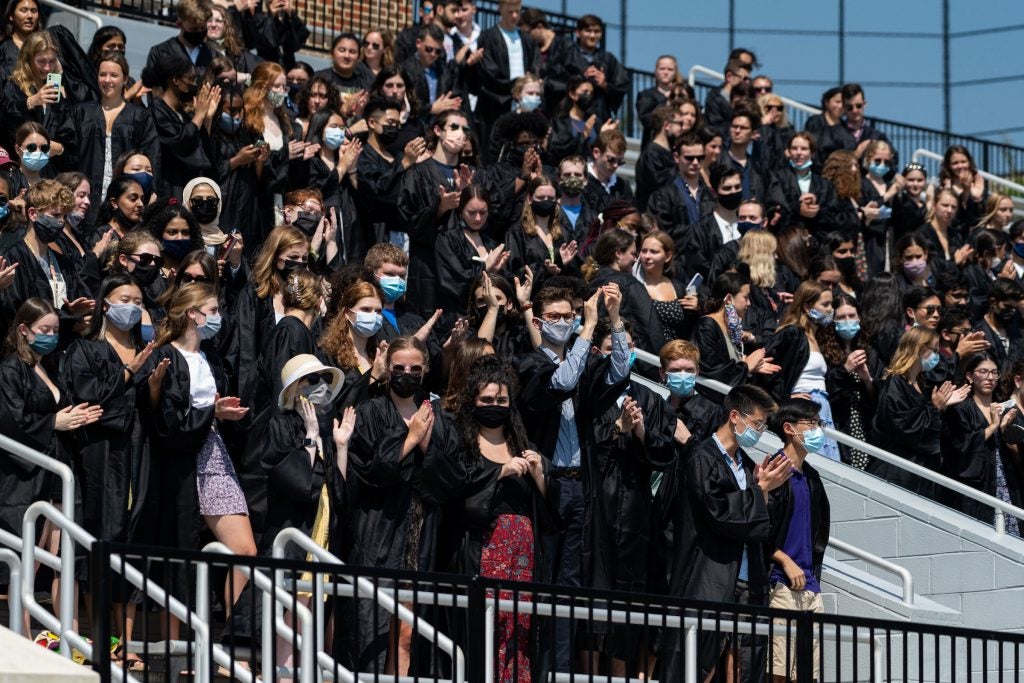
column 914, row 56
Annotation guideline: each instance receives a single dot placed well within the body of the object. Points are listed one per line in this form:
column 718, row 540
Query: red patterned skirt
column 508, row 554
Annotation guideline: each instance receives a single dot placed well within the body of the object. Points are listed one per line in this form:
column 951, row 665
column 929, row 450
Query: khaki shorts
column 782, row 597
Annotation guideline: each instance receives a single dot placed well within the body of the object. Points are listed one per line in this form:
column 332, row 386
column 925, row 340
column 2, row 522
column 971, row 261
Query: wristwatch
column 306, row 443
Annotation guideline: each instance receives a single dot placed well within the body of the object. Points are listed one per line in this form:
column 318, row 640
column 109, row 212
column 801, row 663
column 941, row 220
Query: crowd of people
column 395, row 304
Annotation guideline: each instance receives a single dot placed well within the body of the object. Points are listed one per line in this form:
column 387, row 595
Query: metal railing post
column 100, row 579
column 805, row 646
column 475, row 642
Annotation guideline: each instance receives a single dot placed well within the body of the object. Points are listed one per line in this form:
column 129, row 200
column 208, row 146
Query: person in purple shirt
column 799, row 512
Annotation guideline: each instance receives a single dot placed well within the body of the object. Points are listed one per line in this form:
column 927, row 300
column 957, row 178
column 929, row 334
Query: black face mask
column 516, row 155
column 1005, row 315
column 123, row 220
column 481, row 311
column 144, row 276
column 290, row 267
column 543, row 207
column 47, row 228
column 847, row 265
column 205, row 209
column 405, row 384
column 307, row 222
column 490, row 416
column 194, row 38
column 730, row 202
column 189, row 93
column 584, row 100
column 388, row 135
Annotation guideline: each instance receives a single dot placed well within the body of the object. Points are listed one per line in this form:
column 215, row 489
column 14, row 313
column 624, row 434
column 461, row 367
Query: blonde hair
column 302, row 291
column 24, row 72
column 757, row 250
column 909, row 350
column 522, row 82
column 128, row 245
column 991, row 206
column 281, row 238
column 49, row 193
column 939, row 191
column 184, row 300
column 771, row 98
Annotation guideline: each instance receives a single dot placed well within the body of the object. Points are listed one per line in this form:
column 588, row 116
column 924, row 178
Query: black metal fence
column 327, row 621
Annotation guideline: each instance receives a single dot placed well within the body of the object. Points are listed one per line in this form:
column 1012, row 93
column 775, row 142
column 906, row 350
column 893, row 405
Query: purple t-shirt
column 798, row 538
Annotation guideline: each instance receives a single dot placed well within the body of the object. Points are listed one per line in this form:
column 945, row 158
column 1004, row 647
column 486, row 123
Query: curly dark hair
column 157, row 215
column 489, row 370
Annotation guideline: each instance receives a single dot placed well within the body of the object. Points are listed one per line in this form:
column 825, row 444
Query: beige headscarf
column 212, row 234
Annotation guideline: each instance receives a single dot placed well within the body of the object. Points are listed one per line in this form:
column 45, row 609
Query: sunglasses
column 773, row 107
column 930, row 310
column 694, row 157
column 855, row 105
column 454, row 127
column 148, row 260
column 188, row 278
column 615, row 161
column 324, row 377
column 375, row 46
column 32, row 147
column 763, row 89
column 432, row 50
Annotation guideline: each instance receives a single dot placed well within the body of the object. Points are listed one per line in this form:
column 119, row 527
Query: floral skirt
column 508, row 554
column 216, row 482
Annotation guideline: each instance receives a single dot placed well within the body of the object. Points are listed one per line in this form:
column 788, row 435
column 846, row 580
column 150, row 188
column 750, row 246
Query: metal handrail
column 10, row 558
column 1018, row 201
column 368, row 590
column 903, row 572
column 88, row 16
column 67, row 544
column 697, row 68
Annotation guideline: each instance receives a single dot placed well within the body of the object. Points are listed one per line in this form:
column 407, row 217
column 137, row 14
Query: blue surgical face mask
column 529, row 102
column 333, row 137
column 814, row 440
column 44, row 344
column 367, row 323
column 632, row 358
column 878, row 170
column 393, row 287
column 800, row 167
column 847, row 329
column 211, row 327
column 148, row 333
column 4, row 210
column 818, row 317
column 123, row 316
column 929, row 362
column 35, row 161
column 577, row 324
column 681, row 383
column 228, row 123
column 748, row 438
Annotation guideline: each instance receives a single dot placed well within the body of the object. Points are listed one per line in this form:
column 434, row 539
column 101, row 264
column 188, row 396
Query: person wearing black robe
column 675, row 204
column 379, row 174
column 657, row 164
column 16, row 110
column 583, row 58
column 84, row 135
column 785, row 192
column 629, row 437
column 458, row 265
column 721, row 525
column 397, row 487
column 703, row 240
column 448, row 75
column 184, row 147
column 492, row 76
column 423, row 215
column 180, row 47
column 277, row 34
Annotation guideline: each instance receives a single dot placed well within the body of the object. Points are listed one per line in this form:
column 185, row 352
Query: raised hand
column 773, row 472
column 229, row 408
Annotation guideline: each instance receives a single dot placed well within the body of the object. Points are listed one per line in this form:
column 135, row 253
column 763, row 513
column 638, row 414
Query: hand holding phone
column 55, row 79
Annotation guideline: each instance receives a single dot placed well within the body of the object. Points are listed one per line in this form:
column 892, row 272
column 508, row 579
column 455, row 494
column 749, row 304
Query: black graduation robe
column 714, row 524
column 491, row 76
column 84, row 137
column 175, row 46
column 253, row 321
column 908, row 425
column 715, row 361
column 700, row 242
column 31, row 281
column 530, row 250
column 670, row 204
column 571, row 61
column 378, row 183
column 655, row 168
column 16, row 111
column 457, row 268
column 352, row 238
column 785, row 193
column 27, row 410
column 418, row 203
column 184, row 151
column 907, row 215
column 789, row 349
column 839, row 137
column 646, row 102
column 112, row 460
column 636, row 307
column 385, row 489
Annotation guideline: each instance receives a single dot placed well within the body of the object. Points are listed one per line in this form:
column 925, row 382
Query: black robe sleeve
column 789, row 349
column 457, row 267
column 715, row 362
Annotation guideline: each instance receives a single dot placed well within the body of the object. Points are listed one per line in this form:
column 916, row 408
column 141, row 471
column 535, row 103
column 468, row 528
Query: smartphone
column 884, row 213
column 260, row 143
column 695, row 282
column 229, row 244
column 1006, row 405
column 55, row 79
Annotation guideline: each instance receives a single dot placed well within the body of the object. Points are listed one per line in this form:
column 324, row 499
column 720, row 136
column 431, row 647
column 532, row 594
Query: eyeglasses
column 32, row 147
column 694, row 157
column 929, row 310
column 759, row 425
column 813, row 421
column 189, row 278
column 739, row 127
column 375, row 46
column 614, row 161
column 987, row 373
column 961, row 331
column 557, row 317
column 455, row 127
column 148, row 260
